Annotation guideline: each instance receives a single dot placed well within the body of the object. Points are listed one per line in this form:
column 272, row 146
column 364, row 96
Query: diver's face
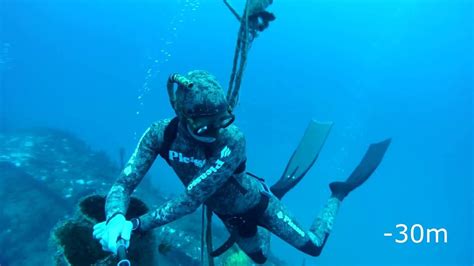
column 206, row 128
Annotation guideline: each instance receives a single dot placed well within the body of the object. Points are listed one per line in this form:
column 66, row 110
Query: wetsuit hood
column 202, row 106
column 205, row 98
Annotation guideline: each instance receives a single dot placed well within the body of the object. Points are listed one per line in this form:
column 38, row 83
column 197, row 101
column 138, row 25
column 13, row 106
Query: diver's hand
column 109, row 233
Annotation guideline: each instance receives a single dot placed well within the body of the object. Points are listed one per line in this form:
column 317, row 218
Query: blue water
column 378, row 69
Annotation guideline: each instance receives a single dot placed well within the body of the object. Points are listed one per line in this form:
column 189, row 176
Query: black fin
column 303, row 157
column 362, row 172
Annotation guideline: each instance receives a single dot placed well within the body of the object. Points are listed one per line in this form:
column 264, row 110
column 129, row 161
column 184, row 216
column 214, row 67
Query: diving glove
column 108, row 233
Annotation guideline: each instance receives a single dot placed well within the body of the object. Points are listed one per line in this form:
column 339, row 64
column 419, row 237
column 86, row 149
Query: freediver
column 208, row 153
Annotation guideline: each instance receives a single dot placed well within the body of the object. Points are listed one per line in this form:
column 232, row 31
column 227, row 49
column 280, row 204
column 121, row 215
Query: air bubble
column 167, row 41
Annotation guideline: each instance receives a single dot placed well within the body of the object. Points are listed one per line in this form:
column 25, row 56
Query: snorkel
column 200, row 102
column 180, row 81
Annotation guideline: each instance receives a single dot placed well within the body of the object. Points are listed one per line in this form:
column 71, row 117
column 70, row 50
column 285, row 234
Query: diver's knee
column 311, row 249
column 258, row 257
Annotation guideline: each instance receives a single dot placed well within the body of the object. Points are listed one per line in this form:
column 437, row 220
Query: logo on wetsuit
column 183, row 159
column 225, row 152
column 288, row 221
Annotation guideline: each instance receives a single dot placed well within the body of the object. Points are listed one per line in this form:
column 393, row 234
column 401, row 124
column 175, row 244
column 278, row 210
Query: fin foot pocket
column 340, row 189
column 371, row 160
column 303, row 157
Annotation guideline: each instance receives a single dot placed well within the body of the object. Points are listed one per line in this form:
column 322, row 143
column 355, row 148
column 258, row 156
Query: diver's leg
column 278, row 221
column 257, row 246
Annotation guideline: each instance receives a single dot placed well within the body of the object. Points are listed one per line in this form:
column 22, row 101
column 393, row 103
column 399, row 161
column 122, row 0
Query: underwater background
column 377, row 69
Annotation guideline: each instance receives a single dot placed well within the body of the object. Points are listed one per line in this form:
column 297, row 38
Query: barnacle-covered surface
column 58, row 159
column 44, row 173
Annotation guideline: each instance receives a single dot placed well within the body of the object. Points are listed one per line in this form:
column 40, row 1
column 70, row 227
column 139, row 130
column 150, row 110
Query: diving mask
column 206, row 128
column 200, row 103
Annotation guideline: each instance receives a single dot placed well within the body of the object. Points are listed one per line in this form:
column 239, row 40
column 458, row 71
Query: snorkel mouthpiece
column 180, row 80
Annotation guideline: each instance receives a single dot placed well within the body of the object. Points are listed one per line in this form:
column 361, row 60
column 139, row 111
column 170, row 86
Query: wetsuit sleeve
column 137, row 166
column 217, row 170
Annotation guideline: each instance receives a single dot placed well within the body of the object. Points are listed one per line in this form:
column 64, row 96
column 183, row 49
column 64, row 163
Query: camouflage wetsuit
column 207, row 181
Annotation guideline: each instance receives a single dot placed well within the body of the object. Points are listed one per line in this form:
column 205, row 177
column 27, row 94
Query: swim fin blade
column 363, row 171
column 303, row 157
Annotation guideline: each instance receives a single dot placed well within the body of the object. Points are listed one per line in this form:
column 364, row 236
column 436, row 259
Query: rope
column 210, row 259
column 206, row 233
column 232, row 10
column 202, row 234
column 240, row 59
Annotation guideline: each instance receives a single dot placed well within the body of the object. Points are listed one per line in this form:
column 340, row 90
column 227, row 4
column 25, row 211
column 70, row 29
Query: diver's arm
column 217, row 170
column 143, row 157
